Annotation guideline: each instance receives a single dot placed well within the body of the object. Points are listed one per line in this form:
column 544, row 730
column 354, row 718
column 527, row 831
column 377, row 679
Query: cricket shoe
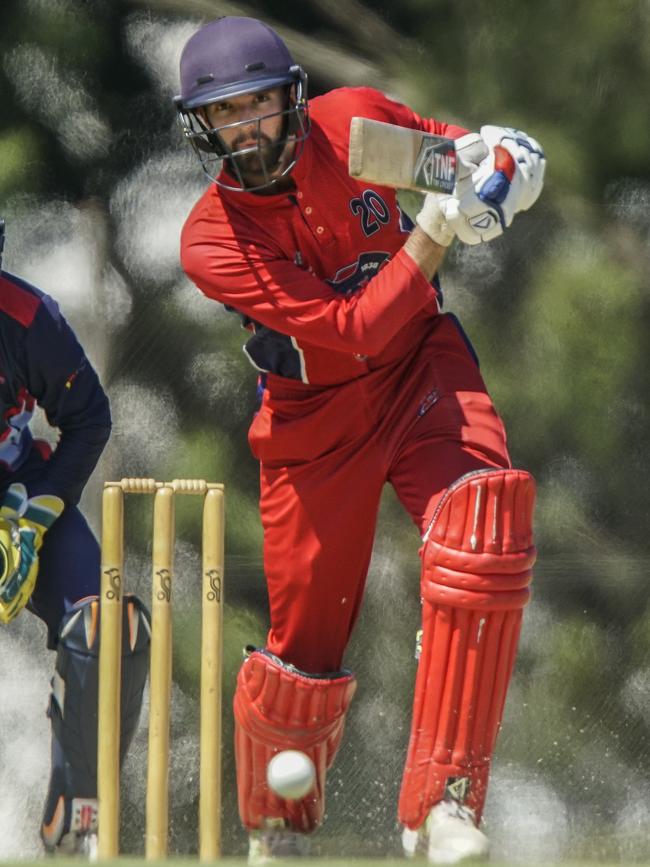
column 71, row 829
column 274, row 844
column 448, row 836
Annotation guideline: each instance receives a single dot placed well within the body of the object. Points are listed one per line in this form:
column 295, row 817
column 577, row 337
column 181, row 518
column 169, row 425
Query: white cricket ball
column 291, row 774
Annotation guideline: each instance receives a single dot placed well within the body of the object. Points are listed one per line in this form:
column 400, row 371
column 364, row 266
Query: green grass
column 325, row 862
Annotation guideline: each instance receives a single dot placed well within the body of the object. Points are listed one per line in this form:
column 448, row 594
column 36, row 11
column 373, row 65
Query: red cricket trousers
column 325, row 454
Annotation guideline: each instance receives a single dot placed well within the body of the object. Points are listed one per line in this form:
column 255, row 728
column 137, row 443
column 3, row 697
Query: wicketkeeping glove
column 23, row 523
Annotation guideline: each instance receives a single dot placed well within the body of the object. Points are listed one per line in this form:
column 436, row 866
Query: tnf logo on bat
column 435, row 167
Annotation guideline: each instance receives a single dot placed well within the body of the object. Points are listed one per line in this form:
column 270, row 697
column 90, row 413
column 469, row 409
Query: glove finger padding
column 431, row 219
column 510, row 137
column 471, row 150
column 497, row 182
column 529, row 160
column 472, row 220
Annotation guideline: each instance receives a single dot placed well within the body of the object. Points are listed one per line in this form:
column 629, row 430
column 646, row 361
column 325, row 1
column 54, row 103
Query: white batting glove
column 472, row 220
column 470, row 151
column 529, row 157
column 508, row 180
column 498, row 174
column 431, row 219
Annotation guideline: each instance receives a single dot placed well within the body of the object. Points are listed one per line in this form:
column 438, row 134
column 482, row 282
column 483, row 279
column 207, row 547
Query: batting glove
column 508, row 180
column 471, row 150
column 431, row 219
column 527, row 153
column 23, row 523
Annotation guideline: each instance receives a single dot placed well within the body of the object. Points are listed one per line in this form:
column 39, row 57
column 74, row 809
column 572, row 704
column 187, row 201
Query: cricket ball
column 291, row 774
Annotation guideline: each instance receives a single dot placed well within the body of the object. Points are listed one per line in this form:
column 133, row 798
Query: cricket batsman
column 49, row 557
column 365, row 380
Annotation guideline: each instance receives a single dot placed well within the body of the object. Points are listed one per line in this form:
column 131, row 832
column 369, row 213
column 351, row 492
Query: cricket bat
column 404, row 158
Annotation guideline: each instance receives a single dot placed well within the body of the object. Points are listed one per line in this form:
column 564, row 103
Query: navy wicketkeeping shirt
column 42, row 363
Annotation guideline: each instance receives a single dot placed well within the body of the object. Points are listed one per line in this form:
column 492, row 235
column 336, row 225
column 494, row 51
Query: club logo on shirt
column 373, row 211
column 352, row 278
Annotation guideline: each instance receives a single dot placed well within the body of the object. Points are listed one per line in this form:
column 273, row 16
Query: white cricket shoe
column 448, row 836
column 272, row 844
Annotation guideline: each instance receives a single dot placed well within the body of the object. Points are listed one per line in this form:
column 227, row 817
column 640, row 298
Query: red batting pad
column 476, row 569
column 279, row 708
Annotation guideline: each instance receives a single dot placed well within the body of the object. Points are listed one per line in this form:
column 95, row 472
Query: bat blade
column 396, row 156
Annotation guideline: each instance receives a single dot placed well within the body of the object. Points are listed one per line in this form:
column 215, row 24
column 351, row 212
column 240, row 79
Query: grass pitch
column 295, row 862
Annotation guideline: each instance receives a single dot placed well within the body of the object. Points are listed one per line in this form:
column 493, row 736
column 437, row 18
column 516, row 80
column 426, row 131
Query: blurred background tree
column 95, row 183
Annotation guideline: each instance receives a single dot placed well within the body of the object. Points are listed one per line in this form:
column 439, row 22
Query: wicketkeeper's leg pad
column 277, row 707
column 476, row 570
column 71, row 804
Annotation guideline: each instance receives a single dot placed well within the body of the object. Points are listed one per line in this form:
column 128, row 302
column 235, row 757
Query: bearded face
column 257, row 155
column 252, row 131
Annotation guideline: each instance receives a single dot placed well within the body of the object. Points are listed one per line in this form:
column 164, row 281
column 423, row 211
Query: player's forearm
column 293, row 301
column 426, row 254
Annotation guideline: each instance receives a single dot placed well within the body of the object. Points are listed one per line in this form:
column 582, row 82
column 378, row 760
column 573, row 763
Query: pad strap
column 277, row 707
column 476, row 571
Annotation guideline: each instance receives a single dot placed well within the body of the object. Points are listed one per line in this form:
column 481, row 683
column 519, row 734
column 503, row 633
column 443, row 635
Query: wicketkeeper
column 49, row 557
column 365, row 381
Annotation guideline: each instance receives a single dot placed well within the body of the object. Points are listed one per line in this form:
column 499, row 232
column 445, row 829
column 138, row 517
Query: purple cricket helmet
column 230, row 57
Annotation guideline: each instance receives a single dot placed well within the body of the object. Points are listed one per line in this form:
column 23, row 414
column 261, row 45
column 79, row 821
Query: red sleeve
column 338, row 106
column 276, row 293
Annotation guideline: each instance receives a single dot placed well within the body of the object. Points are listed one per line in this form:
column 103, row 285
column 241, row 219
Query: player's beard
column 257, row 166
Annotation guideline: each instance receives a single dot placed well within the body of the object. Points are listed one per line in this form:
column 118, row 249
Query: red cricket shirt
column 319, row 272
